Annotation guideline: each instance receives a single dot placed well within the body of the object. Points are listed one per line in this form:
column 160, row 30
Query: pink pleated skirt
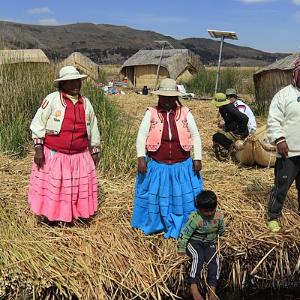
column 65, row 188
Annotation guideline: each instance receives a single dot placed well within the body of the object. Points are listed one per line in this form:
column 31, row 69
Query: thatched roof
column 174, row 60
column 83, row 63
column 270, row 79
column 23, row 56
column 286, row 63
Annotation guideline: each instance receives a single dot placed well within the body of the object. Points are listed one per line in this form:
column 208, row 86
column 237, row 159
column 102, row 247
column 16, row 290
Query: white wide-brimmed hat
column 68, row 73
column 230, row 92
column 167, row 87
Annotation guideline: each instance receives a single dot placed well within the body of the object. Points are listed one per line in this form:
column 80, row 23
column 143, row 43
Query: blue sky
column 270, row 25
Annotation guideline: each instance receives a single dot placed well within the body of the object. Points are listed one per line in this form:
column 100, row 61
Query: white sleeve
column 38, row 123
column 95, row 135
column 275, row 118
column 142, row 135
column 195, row 136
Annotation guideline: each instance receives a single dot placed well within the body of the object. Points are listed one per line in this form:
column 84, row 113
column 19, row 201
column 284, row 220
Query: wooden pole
column 219, row 64
column 158, row 66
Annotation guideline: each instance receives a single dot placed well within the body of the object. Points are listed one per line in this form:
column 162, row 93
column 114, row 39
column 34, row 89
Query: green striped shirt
column 197, row 228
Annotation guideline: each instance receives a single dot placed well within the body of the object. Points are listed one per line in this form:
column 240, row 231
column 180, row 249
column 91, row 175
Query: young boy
column 197, row 240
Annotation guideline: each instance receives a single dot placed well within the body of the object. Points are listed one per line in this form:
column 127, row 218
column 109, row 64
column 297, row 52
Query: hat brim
column 167, row 93
column 219, row 104
column 71, row 77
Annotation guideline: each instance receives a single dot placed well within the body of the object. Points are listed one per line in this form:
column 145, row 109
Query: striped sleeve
column 38, row 123
column 187, row 231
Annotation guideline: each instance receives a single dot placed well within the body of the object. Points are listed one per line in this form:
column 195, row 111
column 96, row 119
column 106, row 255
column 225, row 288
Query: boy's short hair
column 206, row 199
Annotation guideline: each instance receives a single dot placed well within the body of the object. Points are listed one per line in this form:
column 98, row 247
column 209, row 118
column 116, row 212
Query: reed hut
column 23, row 56
column 178, row 64
column 270, row 79
column 83, row 64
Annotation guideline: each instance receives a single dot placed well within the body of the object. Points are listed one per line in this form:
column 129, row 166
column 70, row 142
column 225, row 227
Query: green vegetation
column 117, row 150
column 239, row 78
column 261, row 106
column 22, row 89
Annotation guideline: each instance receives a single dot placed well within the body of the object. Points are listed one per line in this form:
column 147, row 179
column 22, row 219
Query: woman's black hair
column 232, row 96
column 207, row 200
column 180, row 104
column 60, row 86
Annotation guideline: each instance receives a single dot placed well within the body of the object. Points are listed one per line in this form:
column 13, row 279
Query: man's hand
column 221, row 124
column 282, row 148
column 95, row 157
column 39, row 156
column 197, row 165
column 142, row 165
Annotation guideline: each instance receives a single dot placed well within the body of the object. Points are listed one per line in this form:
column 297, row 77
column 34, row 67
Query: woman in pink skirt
column 63, row 184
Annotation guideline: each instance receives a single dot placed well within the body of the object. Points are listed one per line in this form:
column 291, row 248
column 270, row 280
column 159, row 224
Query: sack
column 255, row 149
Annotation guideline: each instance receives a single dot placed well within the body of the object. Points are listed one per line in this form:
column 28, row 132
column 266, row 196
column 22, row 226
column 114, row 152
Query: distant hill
column 112, row 44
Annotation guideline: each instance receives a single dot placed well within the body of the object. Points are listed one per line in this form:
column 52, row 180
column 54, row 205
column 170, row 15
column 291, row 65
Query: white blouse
column 144, row 131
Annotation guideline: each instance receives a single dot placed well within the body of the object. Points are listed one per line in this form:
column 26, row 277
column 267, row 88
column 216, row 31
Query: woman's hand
column 95, row 157
column 142, row 165
column 39, row 156
column 197, row 165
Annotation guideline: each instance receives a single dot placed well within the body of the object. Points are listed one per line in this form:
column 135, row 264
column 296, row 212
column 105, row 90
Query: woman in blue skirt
column 168, row 180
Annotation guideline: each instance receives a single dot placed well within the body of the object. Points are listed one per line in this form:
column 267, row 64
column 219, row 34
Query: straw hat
column 220, row 100
column 168, row 87
column 69, row 73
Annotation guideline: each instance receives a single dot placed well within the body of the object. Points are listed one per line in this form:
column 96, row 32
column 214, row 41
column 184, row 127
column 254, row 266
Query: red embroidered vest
column 153, row 140
column 73, row 135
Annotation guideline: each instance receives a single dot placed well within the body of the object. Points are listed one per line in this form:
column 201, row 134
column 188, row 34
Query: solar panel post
column 222, row 35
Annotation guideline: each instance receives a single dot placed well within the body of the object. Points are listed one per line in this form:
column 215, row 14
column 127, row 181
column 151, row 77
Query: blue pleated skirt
column 164, row 197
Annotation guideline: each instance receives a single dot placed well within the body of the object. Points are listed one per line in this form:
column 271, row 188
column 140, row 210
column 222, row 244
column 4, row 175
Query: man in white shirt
column 231, row 94
column 283, row 130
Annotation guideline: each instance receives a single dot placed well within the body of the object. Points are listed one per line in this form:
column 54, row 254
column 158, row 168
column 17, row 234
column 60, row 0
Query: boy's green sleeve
column 187, row 232
column 221, row 229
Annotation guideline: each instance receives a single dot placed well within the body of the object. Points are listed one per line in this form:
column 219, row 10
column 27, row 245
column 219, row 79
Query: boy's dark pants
column 200, row 253
column 286, row 171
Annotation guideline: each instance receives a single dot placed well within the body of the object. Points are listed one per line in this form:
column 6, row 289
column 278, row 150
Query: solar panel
column 225, row 34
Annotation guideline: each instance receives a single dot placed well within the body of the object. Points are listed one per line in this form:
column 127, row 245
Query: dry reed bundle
column 106, row 259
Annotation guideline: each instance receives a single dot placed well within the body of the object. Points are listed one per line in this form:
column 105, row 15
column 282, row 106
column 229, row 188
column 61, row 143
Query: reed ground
column 106, row 259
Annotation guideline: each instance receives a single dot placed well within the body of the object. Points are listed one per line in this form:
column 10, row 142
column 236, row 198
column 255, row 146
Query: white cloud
column 50, row 21
column 297, row 16
column 39, row 10
column 297, row 2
